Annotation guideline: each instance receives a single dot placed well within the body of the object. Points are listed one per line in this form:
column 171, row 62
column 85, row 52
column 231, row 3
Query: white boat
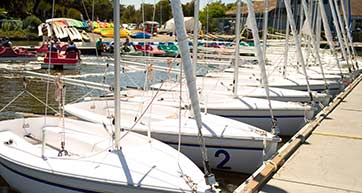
column 57, row 155
column 141, row 165
column 291, row 116
column 215, row 88
column 231, row 145
column 298, row 83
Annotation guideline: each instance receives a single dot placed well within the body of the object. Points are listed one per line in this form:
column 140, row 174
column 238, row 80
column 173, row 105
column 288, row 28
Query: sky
column 137, row 3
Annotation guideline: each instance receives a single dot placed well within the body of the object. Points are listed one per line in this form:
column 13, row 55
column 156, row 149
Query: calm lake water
column 93, row 69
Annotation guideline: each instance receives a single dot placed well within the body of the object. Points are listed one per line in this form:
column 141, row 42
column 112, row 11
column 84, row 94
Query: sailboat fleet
column 156, row 140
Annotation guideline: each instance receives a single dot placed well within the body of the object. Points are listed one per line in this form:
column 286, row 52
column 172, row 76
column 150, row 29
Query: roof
column 356, row 8
column 258, row 7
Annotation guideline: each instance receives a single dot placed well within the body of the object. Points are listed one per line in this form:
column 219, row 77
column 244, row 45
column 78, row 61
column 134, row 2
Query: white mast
column 191, row 83
column 286, row 49
column 196, row 34
column 347, row 28
column 237, row 48
column 297, row 44
column 265, row 30
column 340, row 40
column 261, row 61
column 315, row 46
column 329, row 34
column 345, row 40
column 318, row 27
column 117, row 102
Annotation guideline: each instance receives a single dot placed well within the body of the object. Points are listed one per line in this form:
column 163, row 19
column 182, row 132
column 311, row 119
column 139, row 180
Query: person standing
column 100, row 46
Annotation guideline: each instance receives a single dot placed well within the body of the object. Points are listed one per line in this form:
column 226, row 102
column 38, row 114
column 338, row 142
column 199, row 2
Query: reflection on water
column 96, row 69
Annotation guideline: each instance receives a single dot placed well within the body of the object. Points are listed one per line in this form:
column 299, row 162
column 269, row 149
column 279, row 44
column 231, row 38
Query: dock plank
column 330, row 160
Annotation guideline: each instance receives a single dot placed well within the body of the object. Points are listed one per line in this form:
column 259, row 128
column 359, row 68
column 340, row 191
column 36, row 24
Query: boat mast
column 237, row 48
column 344, row 11
column 286, row 49
column 329, row 34
column 265, row 30
column 345, row 40
column 196, row 34
column 314, row 42
column 92, row 27
column 46, row 97
column 297, row 44
column 261, row 61
column 117, row 102
column 340, row 41
column 191, row 83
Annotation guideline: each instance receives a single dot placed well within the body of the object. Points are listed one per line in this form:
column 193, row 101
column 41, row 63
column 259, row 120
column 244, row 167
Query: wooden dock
column 324, row 157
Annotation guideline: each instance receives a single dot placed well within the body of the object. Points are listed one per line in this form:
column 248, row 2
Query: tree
column 210, row 13
column 163, row 11
column 129, row 14
column 188, row 9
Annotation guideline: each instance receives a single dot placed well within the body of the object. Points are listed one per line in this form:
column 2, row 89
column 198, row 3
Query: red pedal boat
column 69, row 60
column 16, row 54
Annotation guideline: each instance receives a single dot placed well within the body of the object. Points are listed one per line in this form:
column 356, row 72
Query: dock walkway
column 330, row 160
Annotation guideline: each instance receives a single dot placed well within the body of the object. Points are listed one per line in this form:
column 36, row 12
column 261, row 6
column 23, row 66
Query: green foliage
column 164, row 12
column 210, row 13
column 128, row 14
column 188, row 9
column 31, row 23
column 19, row 35
column 73, row 13
column 148, row 13
column 11, row 25
column 3, row 13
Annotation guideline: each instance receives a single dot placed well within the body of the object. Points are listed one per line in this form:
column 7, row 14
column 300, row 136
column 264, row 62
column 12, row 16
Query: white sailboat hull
column 26, row 180
column 231, row 145
column 238, row 155
column 142, row 165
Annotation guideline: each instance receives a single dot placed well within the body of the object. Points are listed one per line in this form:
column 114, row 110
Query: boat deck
column 329, row 160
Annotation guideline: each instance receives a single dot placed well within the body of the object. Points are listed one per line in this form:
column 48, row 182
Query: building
column 277, row 14
column 356, row 15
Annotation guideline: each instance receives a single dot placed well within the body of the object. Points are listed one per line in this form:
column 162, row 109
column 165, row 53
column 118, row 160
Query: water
column 92, row 69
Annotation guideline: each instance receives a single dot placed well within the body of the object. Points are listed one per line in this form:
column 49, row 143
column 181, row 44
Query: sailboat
column 91, row 164
column 255, row 111
column 57, row 155
column 240, row 142
column 229, row 145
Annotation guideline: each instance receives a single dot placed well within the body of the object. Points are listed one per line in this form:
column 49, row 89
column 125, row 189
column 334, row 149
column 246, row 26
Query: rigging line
column 13, row 100
column 339, row 37
column 36, row 98
column 279, row 16
column 148, row 106
column 86, row 12
column 345, row 40
column 261, row 62
column 314, row 43
column 298, row 46
column 329, row 36
column 179, row 118
column 82, row 97
column 46, row 96
column 143, row 113
column 275, row 15
column 48, row 82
